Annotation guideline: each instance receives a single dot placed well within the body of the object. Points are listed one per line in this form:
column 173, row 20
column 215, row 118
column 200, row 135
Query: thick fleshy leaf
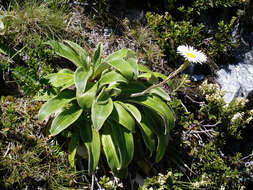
column 161, row 93
column 85, row 100
column 150, row 77
column 154, row 120
column 56, row 103
column 133, row 110
column 101, row 109
column 159, row 106
column 123, row 139
column 154, row 123
column 142, row 68
column 66, row 52
column 63, row 79
column 160, row 75
column 83, row 55
column 119, row 148
column 67, row 117
column 97, row 57
column 123, row 117
column 124, row 67
column 91, row 139
column 111, row 151
column 148, row 135
column 131, row 88
column 161, row 147
column 72, row 148
column 111, row 77
column 82, row 76
column 120, row 54
column 99, row 69
column 132, row 59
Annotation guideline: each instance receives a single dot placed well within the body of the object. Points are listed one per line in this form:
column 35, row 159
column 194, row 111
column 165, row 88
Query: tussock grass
column 33, row 18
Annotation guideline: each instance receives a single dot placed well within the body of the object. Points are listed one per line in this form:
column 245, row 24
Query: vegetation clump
column 164, row 130
column 28, row 158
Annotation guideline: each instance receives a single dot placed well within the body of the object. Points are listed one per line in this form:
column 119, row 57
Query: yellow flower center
column 191, row 55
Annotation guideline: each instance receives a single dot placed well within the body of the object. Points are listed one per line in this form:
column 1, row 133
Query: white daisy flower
column 192, row 55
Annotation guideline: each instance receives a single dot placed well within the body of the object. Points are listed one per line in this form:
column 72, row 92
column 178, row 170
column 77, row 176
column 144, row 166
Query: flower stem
column 180, row 69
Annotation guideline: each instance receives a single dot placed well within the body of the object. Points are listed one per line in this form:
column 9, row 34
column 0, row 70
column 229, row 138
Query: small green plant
column 201, row 5
column 172, row 33
column 231, row 117
column 173, row 30
column 107, row 106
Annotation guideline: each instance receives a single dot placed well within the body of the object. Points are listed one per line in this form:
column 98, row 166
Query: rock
column 236, row 80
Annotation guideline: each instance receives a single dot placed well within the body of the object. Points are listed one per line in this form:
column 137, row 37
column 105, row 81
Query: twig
column 194, row 101
column 212, row 125
column 244, row 158
column 92, row 181
column 184, row 106
column 8, row 149
column 204, row 131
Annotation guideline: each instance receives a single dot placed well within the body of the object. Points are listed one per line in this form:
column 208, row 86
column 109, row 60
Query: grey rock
column 236, row 80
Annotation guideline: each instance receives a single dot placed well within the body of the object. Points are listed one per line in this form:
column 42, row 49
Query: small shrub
column 232, row 117
column 173, row 30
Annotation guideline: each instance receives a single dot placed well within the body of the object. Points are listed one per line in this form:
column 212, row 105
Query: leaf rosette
column 100, row 112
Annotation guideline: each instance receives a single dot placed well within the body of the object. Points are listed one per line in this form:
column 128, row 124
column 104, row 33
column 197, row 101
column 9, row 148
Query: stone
column 236, row 79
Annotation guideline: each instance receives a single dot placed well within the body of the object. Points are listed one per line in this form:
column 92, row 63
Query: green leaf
column 144, row 69
column 131, row 87
column 161, row 147
column 85, row 100
column 100, row 68
column 91, row 139
column 147, row 134
column 101, row 109
column 120, row 54
column 152, row 121
column 161, row 93
column 118, row 146
column 150, row 77
column 97, row 57
column 72, row 148
column 82, row 75
column 83, row 55
column 159, row 106
column 133, row 110
column 111, row 77
column 63, row 79
column 111, row 151
column 123, row 67
column 66, row 52
column 123, row 117
column 133, row 61
column 56, row 103
column 123, row 140
column 160, row 75
column 67, row 117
